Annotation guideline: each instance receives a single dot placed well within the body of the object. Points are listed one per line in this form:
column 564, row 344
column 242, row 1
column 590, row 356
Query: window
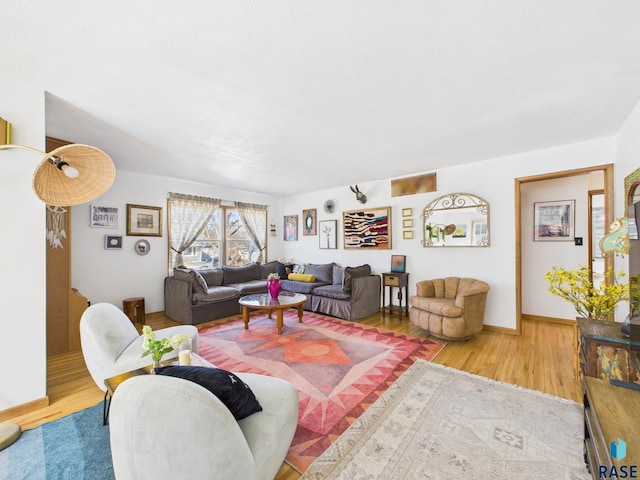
column 231, row 235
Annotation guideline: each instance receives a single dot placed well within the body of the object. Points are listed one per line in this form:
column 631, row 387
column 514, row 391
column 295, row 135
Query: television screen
column 398, row 263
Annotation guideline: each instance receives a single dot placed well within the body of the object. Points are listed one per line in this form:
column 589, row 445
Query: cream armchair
column 451, row 308
column 166, row 427
column 111, row 344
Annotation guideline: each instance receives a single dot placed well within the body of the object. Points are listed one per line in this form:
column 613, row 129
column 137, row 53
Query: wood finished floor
column 542, row 358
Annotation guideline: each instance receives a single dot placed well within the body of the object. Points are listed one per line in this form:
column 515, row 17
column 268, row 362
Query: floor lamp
column 69, row 175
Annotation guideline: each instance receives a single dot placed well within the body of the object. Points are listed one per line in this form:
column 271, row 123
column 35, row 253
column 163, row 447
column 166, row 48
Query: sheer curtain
column 253, row 217
column 188, row 216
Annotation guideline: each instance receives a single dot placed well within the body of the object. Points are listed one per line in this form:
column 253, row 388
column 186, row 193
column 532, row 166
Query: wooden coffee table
column 114, row 382
column 263, row 301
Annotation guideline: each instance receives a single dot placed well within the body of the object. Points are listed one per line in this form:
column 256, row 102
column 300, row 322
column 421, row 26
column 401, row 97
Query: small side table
column 134, row 309
column 399, row 280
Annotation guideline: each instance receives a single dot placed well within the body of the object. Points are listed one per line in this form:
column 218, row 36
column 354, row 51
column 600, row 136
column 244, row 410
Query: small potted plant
column 576, row 287
column 273, row 285
column 157, row 348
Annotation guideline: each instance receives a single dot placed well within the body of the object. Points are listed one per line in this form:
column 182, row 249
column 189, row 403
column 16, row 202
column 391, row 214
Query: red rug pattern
column 339, row 368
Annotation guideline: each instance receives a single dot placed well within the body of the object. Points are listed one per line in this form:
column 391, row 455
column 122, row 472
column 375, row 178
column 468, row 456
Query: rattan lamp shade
column 96, row 174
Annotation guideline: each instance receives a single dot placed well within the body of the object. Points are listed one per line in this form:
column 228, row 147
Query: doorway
column 607, row 200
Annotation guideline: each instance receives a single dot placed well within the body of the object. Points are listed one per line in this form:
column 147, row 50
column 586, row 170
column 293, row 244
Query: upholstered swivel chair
column 111, row 345
column 451, row 308
column 166, row 427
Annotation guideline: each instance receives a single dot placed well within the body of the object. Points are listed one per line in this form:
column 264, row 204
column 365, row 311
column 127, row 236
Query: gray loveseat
column 197, row 296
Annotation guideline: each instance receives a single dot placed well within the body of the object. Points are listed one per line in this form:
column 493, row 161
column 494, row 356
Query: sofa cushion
column 215, row 294
column 270, row 267
column 253, row 286
column 322, row 272
column 332, row 291
column 229, row 388
column 212, row 276
column 353, row 272
column 439, row 306
column 188, row 275
column 241, row 274
column 299, row 287
column 338, row 275
column 302, row 277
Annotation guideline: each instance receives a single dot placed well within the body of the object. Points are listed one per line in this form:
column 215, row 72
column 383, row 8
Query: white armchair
column 166, row 427
column 111, row 344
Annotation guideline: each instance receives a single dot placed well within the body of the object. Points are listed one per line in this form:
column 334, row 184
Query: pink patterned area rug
column 339, row 368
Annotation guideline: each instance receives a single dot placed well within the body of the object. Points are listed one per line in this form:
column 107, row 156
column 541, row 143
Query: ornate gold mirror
column 456, row 220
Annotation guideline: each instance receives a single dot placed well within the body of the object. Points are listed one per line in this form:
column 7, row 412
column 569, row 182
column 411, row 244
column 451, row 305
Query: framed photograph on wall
column 328, row 234
column 554, row 221
column 398, row 263
column 144, row 221
column 113, row 242
column 290, row 228
column 309, row 222
column 368, row 229
column 103, row 217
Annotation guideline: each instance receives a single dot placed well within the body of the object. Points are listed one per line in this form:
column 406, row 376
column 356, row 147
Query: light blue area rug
column 74, row 447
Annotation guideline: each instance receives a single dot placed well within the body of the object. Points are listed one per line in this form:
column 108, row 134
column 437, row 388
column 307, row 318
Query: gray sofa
column 197, row 296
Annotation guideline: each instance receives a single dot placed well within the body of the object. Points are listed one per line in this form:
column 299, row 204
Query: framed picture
column 460, row 231
column 368, row 229
column 103, row 217
column 113, row 242
column 398, row 263
column 407, row 212
column 407, row 234
column 407, row 223
column 328, row 233
column 144, row 221
column 290, row 228
column 309, row 222
column 554, row 221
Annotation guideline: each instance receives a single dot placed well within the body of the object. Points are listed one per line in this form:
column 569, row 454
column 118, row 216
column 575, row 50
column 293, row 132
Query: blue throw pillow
column 231, row 391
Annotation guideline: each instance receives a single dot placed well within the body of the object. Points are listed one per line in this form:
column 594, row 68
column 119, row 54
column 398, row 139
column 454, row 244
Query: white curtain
column 253, row 218
column 188, row 216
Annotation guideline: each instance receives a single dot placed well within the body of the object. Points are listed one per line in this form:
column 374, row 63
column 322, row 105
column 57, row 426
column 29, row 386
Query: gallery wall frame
column 143, row 220
column 328, row 234
column 412, row 185
column 367, row 229
column 290, row 228
column 554, row 221
column 113, row 242
column 309, row 222
column 103, row 217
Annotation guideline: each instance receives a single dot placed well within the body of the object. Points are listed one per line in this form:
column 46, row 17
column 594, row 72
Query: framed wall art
column 103, row 217
column 368, row 228
column 328, row 234
column 554, row 221
column 113, row 242
column 309, row 222
column 290, row 228
column 144, row 221
column 407, row 212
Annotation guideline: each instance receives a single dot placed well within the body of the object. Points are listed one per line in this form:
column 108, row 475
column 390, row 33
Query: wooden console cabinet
column 605, row 352
column 611, row 414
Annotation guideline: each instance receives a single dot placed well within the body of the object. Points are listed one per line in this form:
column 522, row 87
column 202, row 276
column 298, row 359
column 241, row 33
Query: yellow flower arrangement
column 576, row 287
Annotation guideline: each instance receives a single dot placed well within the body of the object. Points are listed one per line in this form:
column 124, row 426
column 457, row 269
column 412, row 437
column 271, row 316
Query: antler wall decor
column 361, row 197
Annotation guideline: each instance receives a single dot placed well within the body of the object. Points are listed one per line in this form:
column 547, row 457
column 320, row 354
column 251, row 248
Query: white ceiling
column 283, row 96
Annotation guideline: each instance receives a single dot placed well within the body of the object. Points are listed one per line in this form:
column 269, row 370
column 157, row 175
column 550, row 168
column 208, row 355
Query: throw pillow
column 233, row 392
column 338, row 275
column 353, row 272
column 213, row 276
column 197, row 281
column 322, row 272
column 302, row 277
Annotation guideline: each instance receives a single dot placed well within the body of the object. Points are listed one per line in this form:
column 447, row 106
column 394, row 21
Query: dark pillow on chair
column 231, row 391
column 353, row 272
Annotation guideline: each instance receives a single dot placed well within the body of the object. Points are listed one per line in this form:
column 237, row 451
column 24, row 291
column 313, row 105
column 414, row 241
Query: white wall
column 22, row 243
column 112, row 275
column 492, row 180
column 539, row 257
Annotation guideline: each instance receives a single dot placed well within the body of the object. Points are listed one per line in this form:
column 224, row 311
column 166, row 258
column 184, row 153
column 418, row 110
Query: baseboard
column 24, row 408
column 494, row 328
column 540, row 318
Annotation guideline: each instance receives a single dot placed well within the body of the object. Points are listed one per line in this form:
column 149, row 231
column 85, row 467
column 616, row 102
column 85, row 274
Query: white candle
column 184, row 357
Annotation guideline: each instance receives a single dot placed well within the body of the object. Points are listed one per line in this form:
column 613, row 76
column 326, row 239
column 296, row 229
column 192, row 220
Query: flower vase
column 273, row 285
column 156, row 365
